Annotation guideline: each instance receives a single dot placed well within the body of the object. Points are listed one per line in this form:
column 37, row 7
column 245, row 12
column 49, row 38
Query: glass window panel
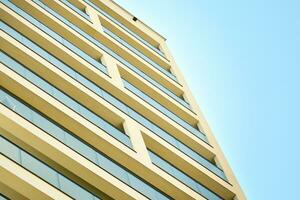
column 113, row 131
column 8, row 103
column 197, row 133
column 113, row 168
column 39, row 82
column 185, row 179
column 65, row 21
column 2, row 95
column 172, row 171
column 44, row 172
column 54, row 35
column 181, row 176
column 133, row 49
column 89, row 115
column 23, row 110
column 66, row 100
column 80, row 147
column 39, row 121
column 55, row 131
column 201, row 160
column 140, row 186
column 39, row 168
column 121, row 106
column 9, row 150
column 139, row 118
column 73, row 190
column 48, row 127
column 164, row 135
column 162, row 164
column 194, row 155
column 11, row 64
column 7, row 30
column 190, row 152
column 82, row 110
column 60, row 65
column 87, row 83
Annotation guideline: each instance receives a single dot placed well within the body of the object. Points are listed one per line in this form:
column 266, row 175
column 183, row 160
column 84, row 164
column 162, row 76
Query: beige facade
column 93, row 100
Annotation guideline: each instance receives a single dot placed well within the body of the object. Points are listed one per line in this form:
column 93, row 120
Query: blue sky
column 241, row 60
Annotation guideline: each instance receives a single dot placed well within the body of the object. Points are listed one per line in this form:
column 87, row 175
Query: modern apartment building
column 93, row 106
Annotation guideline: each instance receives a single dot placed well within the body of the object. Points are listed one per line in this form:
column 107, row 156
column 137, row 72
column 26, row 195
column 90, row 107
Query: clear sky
column 241, row 59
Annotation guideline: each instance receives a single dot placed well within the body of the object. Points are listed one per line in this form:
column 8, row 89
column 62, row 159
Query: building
column 93, row 106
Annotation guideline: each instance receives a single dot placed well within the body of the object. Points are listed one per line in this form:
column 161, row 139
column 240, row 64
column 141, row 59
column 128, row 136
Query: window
column 182, row 177
column 43, row 171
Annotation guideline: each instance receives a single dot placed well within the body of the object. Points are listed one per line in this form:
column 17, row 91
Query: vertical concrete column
column 168, row 55
column 94, row 18
column 187, row 93
column 112, row 68
column 217, row 162
column 164, row 48
column 185, row 97
column 175, row 70
column 106, row 59
column 133, row 130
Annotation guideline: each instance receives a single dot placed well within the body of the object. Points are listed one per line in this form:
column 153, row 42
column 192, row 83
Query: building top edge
column 133, row 16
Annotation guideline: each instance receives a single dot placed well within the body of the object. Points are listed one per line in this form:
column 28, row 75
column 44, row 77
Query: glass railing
column 182, row 177
column 156, row 49
column 43, row 171
column 65, row 99
column 67, row 138
column 77, row 10
column 95, row 63
column 118, row 104
column 140, row 54
column 110, row 52
column 163, row 110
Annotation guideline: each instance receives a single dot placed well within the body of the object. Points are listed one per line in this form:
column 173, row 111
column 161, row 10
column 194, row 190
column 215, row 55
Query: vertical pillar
column 113, row 70
column 175, row 70
column 94, row 18
column 217, row 162
column 163, row 47
column 106, row 59
column 133, row 130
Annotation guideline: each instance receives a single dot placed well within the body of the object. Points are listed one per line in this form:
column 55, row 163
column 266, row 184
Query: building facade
column 93, row 106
